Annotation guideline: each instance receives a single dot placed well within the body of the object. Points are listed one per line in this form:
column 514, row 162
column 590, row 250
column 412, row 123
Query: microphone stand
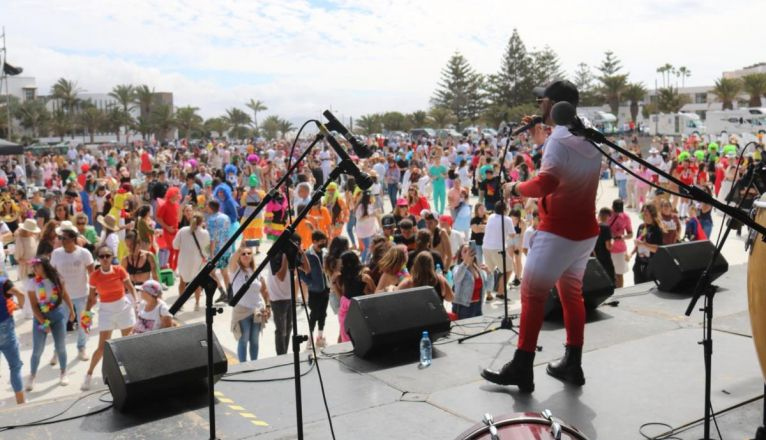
column 285, row 244
column 507, row 321
column 704, row 286
column 209, row 284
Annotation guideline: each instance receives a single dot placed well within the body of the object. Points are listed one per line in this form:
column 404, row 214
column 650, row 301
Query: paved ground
column 47, row 381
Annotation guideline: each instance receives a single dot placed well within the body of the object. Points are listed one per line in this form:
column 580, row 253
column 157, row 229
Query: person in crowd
column 168, row 212
column 423, row 241
column 416, row 204
column 491, row 188
column 648, row 239
column 366, row 224
column 529, row 234
column 279, row 287
column 313, row 274
column 88, row 237
column 26, row 243
column 622, row 230
column 352, row 194
column 350, row 282
column 705, row 215
column 406, row 236
column 456, row 238
column 108, row 285
column 380, row 245
column 393, row 176
column 493, row 245
column 138, row 263
column 254, row 308
column 9, row 342
column 440, row 239
column 402, row 211
column 338, row 246
column 320, row 219
column 52, row 309
column 693, row 229
column 478, row 227
column 253, row 234
column 462, row 216
column 437, row 173
column 470, row 283
column 517, row 244
column 218, row 227
column 74, row 265
column 109, row 230
column 388, row 226
column 393, row 268
column 48, row 239
column 153, row 313
column 338, row 209
column 670, row 222
column 603, row 247
column 193, row 245
column 423, row 274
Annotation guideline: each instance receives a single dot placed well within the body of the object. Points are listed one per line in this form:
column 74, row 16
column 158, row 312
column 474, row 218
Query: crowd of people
column 108, row 230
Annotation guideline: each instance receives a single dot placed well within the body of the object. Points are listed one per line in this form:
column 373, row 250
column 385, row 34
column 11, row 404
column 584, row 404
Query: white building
column 22, row 87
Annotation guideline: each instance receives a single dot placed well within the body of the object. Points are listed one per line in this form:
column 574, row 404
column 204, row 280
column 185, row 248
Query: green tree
column 238, row 120
column 256, row 106
column 612, row 82
column 683, row 72
column 218, row 125
column 546, row 66
column 634, row 93
column 726, row 90
column 270, row 127
column 395, row 121
column 33, row 116
column 419, row 118
column 66, row 92
column 755, row 86
column 670, row 101
column 585, row 82
column 144, row 97
column 665, row 71
column 144, row 126
column 114, row 119
column 163, row 121
column 460, row 90
column 125, row 95
column 285, row 127
column 91, row 118
column 7, row 101
column 61, row 123
column 188, row 120
column 496, row 114
column 369, row 124
column 512, row 85
column 442, row 117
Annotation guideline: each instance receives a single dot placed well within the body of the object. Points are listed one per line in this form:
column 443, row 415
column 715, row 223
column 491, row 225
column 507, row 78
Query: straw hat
column 109, row 222
column 30, row 225
column 66, row 225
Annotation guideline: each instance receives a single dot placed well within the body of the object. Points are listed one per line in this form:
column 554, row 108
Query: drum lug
column 555, row 426
column 489, row 421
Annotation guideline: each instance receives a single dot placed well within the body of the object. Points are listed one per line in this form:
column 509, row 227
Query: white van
column 744, row 121
column 602, row 121
column 675, row 124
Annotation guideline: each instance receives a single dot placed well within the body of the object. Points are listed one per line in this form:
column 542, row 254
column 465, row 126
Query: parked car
column 418, row 133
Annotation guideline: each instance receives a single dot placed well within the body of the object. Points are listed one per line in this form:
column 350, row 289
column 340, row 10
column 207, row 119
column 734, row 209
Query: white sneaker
column 86, row 383
column 82, row 355
column 54, row 359
column 30, row 383
column 63, row 380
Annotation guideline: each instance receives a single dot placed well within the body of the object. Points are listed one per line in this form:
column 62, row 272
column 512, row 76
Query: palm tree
column 163, row 121
column 755, row 86
column 33, row 116
column 271, row 127
column 91, row 118
column 634, row 92
column 256, row 106
column 667, row 68
column 611, row 90
column 218, row 125
column 125, row 95
column 285, row 127
column 727, row 89
column 114, row 119
column 369, row 124
column 61, row 123
column 442, row 117
column 670, row 101
column 237, row 119
column 66, row 92
column 684, row 73
column 144, row 96
column 188, row 120
column 144, row 126
column 419, row 118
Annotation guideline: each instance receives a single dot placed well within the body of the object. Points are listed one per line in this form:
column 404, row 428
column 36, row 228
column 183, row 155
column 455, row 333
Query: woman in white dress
column 192, row 243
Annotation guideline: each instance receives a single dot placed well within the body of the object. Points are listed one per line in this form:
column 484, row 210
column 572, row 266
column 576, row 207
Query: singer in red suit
column 566, row 189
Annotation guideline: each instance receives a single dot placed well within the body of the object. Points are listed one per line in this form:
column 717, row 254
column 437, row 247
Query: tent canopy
column 9, row 148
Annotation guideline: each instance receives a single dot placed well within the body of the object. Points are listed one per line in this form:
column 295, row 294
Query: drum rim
column 524, row 418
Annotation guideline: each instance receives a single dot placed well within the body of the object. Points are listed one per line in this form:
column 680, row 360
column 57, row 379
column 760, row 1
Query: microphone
column 362, row 179
column 360, row 149
column 535, row 120
column 563, row 113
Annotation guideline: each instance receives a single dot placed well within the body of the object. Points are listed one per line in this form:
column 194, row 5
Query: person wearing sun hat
column 109, row 230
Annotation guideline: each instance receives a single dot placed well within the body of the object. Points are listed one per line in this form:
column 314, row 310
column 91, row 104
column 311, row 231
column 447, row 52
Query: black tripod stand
column 507, row 321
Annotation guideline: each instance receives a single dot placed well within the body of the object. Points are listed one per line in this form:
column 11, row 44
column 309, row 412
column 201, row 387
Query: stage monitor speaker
column 158, row 364
column 384, row 322
column 677, row 267
column 597, row 286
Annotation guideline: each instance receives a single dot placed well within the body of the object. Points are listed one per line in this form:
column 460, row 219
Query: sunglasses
column 81, row 223
column 105, row 257
column 247, row 254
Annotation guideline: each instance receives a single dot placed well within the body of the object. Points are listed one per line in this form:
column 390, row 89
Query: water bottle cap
column 425, row 332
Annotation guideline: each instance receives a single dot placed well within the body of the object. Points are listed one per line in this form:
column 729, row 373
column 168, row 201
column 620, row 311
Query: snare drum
column 522, row 426
column 756, row 285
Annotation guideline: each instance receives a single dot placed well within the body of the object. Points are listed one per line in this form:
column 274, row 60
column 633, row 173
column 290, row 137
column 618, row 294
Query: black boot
column 569, row 368
column 517, row 372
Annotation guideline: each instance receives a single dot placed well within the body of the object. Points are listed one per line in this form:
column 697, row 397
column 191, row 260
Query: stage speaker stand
column 677, row 267
column 597, row 286
column 159, row 364
column 380, row 323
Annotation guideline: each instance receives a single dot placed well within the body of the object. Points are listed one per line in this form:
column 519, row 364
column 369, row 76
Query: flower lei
column 86, row 320
column 44, row 326
column 45, row 302
column 403, row 273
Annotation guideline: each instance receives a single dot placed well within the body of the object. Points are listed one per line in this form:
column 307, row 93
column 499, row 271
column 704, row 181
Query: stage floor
column 642, row 363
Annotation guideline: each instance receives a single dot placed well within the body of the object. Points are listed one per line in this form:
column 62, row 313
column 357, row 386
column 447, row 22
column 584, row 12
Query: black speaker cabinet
column 597, row 286
column 158, row 364
column 677, row 267
column 383, row 322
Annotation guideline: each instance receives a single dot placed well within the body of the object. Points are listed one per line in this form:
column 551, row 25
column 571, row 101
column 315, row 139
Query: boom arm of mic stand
column 283, row 243
column 692, row 192
column 204, row 276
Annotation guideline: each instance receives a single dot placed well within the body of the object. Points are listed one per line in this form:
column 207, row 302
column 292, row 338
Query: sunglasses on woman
column 105, row 257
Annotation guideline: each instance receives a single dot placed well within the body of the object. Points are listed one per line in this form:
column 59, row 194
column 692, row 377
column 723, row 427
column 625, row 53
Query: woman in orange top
column 320, row 218
column 115, row 311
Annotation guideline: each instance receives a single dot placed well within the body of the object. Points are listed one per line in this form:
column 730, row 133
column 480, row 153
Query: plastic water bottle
column 450, row 278
column 425, row 350
column 439, row 270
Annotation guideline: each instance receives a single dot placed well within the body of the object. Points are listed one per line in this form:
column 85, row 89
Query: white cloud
column 356, row 56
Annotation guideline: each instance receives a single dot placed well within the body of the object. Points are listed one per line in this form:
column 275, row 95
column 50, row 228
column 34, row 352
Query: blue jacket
column 464, row 285
column 315, row 279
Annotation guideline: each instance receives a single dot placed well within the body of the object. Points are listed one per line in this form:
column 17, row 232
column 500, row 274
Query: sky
column 357, row 57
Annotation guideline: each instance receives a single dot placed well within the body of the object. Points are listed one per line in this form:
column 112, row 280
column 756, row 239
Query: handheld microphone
column 362, row 179
column 360, row 149
column 535, row 120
